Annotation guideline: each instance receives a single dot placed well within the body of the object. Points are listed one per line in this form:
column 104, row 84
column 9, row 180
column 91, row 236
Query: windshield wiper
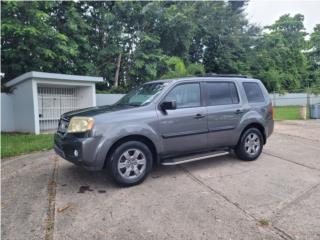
column 133, row 105
column 127, row 104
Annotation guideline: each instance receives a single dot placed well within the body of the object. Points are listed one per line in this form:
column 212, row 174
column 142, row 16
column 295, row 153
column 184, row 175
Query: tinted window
column 253, row 92
column 185, row 95
column 221, row 93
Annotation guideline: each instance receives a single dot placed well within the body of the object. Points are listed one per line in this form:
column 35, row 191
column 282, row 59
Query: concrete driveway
column 275, row 197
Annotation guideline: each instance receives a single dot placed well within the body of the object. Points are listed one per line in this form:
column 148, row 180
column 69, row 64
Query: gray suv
column 168, row 122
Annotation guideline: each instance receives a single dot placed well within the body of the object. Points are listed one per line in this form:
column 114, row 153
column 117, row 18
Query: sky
column 264, row 12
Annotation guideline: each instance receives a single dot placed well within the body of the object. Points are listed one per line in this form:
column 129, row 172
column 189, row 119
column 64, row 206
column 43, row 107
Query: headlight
column 80, row 124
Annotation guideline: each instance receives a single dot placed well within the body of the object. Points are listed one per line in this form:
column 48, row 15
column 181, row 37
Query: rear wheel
column 250, row 145
column 130, row 163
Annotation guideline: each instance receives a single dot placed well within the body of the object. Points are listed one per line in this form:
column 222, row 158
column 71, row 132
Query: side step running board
column 181, row 160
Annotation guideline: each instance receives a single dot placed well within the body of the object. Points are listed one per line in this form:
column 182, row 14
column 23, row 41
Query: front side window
column 185, row 95
column 221, row 93
column 253, row 92
column 142, row 95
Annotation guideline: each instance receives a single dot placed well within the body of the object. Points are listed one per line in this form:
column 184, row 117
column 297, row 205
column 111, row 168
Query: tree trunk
column 116, row 77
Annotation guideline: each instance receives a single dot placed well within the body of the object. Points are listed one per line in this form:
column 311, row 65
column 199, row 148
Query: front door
column 184, row 130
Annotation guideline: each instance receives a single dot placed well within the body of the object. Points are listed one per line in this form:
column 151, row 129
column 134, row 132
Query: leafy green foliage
column 195, row 69
column 175, row 68
column 151, row 40
column 29, row 42
column 280, row 62
column 313, row 55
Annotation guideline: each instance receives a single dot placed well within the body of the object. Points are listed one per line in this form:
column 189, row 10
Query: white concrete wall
column 7, row 117
column 19, row 111
column 85, row 97
column 290, row 99
column 107, row 99
column 23, row 107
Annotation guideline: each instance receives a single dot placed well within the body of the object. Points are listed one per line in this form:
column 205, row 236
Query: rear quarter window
column 253, row 92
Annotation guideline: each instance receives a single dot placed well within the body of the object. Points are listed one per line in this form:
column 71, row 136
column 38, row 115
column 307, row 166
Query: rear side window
column 253, row 92
column 221, row 93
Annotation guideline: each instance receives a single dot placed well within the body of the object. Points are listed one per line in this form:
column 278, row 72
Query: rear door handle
column 238, row 111
column 199, row 115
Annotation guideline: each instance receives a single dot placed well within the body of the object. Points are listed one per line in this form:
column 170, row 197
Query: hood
column 93, row 111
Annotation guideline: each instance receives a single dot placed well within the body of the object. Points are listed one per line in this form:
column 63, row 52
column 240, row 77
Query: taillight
column 270, row 110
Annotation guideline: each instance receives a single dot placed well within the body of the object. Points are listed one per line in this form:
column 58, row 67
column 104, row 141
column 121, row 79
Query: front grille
column 63, row 125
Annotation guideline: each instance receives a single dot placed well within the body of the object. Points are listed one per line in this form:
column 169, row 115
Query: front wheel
column 250, row 145
column 130, row 163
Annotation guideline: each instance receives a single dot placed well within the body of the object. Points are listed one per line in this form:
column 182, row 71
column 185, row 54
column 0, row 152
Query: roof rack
column 222, row 75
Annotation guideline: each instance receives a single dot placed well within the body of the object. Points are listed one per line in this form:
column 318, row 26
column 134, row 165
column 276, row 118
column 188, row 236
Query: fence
column 292, row 106
column 294, row 99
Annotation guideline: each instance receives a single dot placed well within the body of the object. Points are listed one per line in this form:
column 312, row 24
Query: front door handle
column 199, row 115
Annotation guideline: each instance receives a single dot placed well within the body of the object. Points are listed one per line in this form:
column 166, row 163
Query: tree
column 29, row 42
column 279, row 61
column 313, row 55
column 104, row 37
column 67, row 18
column 222, row 37
column 128, row 43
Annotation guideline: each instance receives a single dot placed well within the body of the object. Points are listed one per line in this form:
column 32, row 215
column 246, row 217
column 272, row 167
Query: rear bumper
column 66, row 145
column 269, row 127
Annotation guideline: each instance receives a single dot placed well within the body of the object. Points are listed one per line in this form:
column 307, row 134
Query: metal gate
column 54, row 101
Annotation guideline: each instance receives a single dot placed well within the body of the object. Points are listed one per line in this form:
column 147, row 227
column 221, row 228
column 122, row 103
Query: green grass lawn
column 16, row 144
column 287, row 113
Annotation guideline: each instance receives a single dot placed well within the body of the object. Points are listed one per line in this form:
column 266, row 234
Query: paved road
column 45, row 197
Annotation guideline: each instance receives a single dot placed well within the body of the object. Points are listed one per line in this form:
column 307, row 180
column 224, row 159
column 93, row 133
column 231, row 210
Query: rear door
column 224, row 112
column 184, row 129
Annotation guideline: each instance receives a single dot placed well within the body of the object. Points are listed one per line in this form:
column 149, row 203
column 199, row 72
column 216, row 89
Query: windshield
column 142, row 95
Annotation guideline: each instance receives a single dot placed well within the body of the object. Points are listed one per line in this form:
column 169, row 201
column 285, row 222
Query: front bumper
column 65, row 146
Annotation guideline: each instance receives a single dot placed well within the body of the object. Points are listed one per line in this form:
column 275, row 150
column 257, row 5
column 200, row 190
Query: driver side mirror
column 168, row 105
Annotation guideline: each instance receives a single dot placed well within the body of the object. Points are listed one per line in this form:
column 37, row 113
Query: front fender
column 116, row 133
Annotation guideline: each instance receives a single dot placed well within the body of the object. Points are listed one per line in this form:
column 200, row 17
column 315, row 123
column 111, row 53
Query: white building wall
column 23, row 107
column 19, row 111
column 86, row 97
column 7, row 117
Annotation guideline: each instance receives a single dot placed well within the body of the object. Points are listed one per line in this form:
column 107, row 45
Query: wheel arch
column 257, row 125
column 135, row 137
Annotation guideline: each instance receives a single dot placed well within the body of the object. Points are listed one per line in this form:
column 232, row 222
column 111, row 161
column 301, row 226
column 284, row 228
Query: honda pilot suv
column 168, row 122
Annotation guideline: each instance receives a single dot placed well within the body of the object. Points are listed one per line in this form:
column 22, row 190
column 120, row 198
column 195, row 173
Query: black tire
column 249, row 152
column 118, row 157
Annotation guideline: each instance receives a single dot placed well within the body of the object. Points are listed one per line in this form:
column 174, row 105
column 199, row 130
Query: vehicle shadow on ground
column 70, row 174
